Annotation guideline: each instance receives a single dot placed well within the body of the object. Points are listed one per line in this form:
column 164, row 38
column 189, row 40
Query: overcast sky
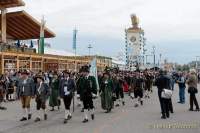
column 171, row 25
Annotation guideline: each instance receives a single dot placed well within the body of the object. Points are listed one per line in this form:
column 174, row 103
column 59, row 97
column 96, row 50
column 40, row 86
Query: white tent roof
column 51, row 51
column 118, row 62
column 58, row 52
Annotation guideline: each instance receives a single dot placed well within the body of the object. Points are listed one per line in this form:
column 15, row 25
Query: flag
column 41, row 42
column 18, row 43
column 74, row 39
column 93, row 71
column 31, row 46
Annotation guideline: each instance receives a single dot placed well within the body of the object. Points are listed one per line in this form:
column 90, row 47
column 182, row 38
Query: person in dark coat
column 26, row 91
column 54, row 96
column 66, row 91
column 148, row 84
column 42, row 93
column 106, row 92
column 118, row 88
column 139, row 88
column 163, row 82
column 88, row 90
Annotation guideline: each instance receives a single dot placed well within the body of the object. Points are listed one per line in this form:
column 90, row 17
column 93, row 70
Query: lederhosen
column 148, row 83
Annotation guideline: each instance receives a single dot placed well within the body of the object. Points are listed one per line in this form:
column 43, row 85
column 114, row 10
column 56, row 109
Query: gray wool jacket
column 26, row 88
column 42, row 93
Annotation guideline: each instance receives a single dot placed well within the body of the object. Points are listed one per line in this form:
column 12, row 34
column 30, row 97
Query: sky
column 171, row 25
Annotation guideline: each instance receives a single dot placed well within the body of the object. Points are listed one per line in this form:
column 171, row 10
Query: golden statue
column 135, row 20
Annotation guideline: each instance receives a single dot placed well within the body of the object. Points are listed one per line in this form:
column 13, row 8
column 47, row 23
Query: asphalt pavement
column 123, row 119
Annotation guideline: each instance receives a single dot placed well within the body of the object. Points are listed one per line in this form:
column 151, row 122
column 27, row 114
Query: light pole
column 90, row 47
column 154, row 56
column 160, row 62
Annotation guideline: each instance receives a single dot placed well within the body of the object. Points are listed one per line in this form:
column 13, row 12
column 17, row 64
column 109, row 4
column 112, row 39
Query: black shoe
column 172, row 111
column 123, row 103
column 163, row 117
column 167, row 115
column 37, row 119
column 136, row 105
column 58, row 107
column 23, row 119
column 45, row 116
column 92, row 116
column 141, row 102
column 117, row 105
column 85, row 120
column 3, row 108
column 191, row 110
column 69, row 117
column 65, row 121
column 29, row 116
column 197, row 109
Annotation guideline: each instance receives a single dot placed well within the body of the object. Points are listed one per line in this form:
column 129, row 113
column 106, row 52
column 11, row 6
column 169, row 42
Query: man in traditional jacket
column 118, row 88
column 106, row 92
column 42, row 94
column 148, row 84
column 88, row 90
column 66, row 89
column 139, row 88
column 25, row 91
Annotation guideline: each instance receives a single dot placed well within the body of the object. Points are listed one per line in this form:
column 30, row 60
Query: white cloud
column 158, row 17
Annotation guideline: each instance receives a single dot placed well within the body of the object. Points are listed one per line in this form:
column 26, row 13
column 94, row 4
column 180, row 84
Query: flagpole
column 41, row 42
column 74, row 47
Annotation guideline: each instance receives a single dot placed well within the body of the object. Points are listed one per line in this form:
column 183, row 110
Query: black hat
column 85, row 68
column 66, row 72
column 116, row 70
column 161, row 72
column 107, row 71
column 40, row 76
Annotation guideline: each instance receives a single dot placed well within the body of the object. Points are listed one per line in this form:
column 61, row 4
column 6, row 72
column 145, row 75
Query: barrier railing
column 13, row 48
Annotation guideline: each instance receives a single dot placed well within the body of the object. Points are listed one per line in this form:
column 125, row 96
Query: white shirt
column 66, row 91
column 24, row 82
column 39, row 88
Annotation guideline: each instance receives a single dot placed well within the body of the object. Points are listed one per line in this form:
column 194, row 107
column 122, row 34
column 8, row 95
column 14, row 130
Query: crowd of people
column 51, row 88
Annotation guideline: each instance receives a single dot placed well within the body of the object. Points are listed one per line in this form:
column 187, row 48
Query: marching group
column 110, row 87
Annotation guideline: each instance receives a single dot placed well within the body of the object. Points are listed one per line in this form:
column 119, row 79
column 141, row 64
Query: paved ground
column 127, row 119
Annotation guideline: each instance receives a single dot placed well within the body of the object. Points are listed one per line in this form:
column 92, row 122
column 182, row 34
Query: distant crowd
column 111, row 86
